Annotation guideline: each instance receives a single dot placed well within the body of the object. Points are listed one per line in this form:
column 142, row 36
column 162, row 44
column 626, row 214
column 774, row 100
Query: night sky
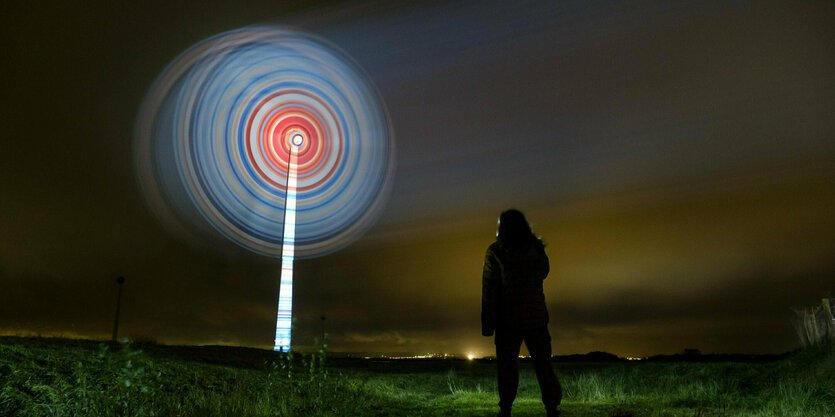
column 677, row 159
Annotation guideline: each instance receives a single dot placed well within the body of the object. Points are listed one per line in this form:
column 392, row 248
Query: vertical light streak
column 284, row 322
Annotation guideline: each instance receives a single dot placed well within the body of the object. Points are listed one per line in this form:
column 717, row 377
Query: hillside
column 59, row 377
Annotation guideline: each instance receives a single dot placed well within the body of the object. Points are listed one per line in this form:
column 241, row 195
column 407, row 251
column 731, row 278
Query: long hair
column 514, row 230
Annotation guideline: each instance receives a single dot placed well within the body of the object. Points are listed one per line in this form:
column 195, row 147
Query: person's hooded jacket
column 511, row 288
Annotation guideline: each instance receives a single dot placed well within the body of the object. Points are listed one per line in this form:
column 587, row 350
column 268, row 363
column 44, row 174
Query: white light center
column 297, row 139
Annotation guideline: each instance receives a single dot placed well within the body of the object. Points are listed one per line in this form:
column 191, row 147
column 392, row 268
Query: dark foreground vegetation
column 58, row 377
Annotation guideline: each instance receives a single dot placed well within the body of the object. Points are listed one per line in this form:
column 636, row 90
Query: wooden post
column 120, row 280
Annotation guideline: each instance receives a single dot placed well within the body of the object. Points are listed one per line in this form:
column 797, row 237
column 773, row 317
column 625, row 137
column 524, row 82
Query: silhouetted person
column 513, row 305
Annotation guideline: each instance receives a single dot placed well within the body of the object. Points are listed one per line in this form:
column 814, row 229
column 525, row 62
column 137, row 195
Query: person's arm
column 490, row 282
column 544, row 266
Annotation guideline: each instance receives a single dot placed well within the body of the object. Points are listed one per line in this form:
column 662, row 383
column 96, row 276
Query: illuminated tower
column 284, row 321
column 269, row 138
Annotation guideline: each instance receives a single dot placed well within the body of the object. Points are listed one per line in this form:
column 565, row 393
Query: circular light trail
column 215, row 132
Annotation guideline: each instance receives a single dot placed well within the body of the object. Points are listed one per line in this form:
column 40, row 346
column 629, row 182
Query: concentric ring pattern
column 214, row 135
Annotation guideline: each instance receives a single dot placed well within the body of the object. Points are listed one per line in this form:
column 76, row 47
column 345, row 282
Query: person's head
column 514, row 230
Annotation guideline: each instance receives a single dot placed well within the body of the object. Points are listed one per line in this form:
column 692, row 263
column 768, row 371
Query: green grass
column 58, row 377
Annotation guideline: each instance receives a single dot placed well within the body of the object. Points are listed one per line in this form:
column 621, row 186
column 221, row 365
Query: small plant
column 301, row 379
column 452, row 382
column 119, row 383
column 815, row 325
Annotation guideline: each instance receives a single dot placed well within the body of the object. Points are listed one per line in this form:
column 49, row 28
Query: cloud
column 386, row 338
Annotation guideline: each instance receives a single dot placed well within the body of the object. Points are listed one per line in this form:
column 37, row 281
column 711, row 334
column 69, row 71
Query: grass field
column 59, row 377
